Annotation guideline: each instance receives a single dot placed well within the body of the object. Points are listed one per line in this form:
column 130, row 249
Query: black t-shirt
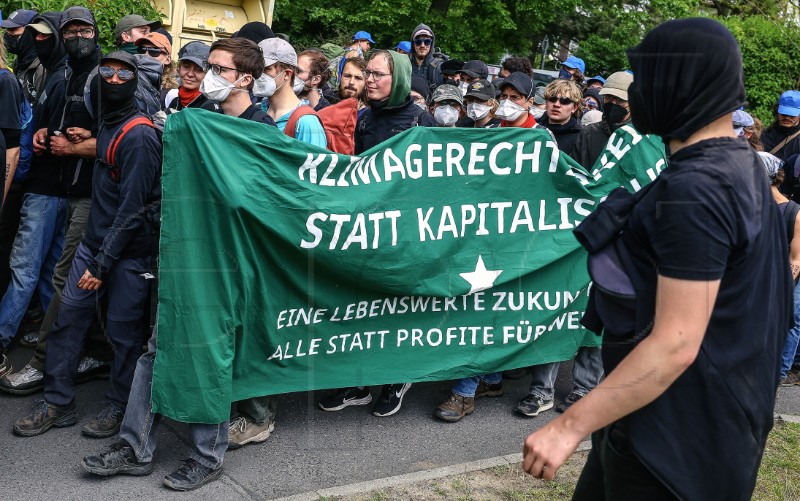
column 10, row 97
column 255, row 114
column 711, row 216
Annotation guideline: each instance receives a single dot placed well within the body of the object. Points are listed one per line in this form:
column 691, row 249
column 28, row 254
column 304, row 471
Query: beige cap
column 42, row 28
column 617, row 85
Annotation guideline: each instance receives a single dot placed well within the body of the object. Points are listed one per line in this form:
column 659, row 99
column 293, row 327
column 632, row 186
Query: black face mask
column 116, row 94
column 452, row 82
column 11, row 42
column 614, row 113
column 117, row 101
column 79, row 48
column 44, row 48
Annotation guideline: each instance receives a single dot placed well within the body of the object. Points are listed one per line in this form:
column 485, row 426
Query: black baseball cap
column 77, row 14
column 521, row 82
column 475, row 69
column 481, row 89
column 122, row 57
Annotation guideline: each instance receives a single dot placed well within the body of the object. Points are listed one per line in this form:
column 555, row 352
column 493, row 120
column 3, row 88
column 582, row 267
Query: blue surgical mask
column 565, row 74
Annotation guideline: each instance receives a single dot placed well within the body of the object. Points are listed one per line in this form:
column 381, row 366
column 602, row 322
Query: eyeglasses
column 563, row 100
column 83, row 33
column 151, row 51
column 122, row 73
column 217, row 69
column 614, row 99
column 374, row 74
column 422, row 41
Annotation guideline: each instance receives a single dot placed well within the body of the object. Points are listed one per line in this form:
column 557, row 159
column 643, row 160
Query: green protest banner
column 439, row 254
column 630, row 160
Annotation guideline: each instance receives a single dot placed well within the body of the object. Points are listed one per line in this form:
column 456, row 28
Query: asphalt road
column 309, row 449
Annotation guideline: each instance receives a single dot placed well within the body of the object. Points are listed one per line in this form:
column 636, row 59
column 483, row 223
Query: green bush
column 771, row 56
column 106, row 12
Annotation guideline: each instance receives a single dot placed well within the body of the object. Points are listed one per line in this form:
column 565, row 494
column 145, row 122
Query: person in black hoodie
column 19, row 41
column 110, row 261
column 564, row 102
column 423, row 63
column 30, row 73
column 391, row 109
column 40, row 238
column 76, row 148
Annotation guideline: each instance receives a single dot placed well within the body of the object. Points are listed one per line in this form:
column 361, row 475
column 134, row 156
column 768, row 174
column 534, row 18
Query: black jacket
column 591, row 142
column 46, row 174
column 566, row 135
column 773, row 136
column 376, row 126
column 119, row 224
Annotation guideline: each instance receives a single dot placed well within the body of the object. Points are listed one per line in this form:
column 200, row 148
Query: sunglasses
column 563, row 100
column 423, row 41
column 150, row 51
column 122, row 73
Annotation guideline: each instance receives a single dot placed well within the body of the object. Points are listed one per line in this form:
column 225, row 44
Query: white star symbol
column 481, row 278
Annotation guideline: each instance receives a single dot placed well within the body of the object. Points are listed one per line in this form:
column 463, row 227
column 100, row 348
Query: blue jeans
column 139, row 425
column 466, row 387
column 36, row 249
column 586, row 373
column 126, row 292
column 790, row 355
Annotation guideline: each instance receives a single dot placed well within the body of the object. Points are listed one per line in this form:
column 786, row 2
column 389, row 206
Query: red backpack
column 338, row 120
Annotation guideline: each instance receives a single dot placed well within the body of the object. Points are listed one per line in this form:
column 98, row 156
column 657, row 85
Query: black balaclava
column 22, row 47
column 45, row 49
column 687, row 73
column 118, row 101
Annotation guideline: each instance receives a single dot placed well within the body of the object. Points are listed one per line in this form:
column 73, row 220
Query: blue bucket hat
column 363, row 35
column 406, row 46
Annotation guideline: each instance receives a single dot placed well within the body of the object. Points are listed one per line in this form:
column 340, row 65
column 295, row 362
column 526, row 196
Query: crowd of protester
column 81, row 201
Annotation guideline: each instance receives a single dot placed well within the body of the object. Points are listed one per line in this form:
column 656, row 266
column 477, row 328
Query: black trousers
column 613, row 472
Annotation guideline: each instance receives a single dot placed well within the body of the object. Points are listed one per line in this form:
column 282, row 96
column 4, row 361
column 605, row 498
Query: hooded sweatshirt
column 27, row 68
column 393, row 115
column 428, row 70
column 77, row 181
column 46, row 173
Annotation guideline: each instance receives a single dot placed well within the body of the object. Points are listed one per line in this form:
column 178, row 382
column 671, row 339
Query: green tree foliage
column 466, row 29
column 106, row 12
column 771, row 56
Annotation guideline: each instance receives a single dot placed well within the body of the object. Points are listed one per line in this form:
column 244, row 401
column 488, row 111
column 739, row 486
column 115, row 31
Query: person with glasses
column 616, row 110
column 156, row 46
column 192, row 65
column 233, row 66
column 563, row 110
column 423, row 63
column 391, row 111
column 126, row 184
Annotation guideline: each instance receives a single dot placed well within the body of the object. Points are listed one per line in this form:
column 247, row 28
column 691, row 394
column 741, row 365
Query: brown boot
column 455, row 408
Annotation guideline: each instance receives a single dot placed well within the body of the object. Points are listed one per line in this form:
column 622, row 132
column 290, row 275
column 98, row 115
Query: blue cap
column 363, row 35
column 575, row 62
column 18, row 19
column 406, row 46
column 598, row 78
column 789, row 103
